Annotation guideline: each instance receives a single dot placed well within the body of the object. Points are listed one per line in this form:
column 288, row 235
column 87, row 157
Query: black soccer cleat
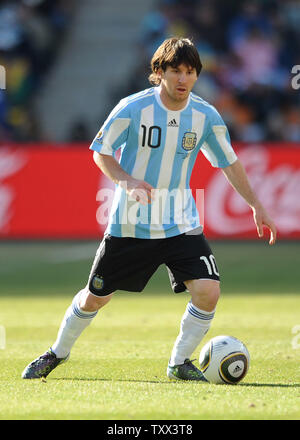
column 43, row 365
column 185, row 371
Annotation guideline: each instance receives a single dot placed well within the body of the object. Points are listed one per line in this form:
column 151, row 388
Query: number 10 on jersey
column 151, row 136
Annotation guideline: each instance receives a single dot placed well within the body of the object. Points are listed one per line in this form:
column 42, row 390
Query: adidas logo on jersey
column 173, row 123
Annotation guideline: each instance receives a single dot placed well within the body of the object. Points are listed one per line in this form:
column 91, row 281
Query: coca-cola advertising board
column 51, row 191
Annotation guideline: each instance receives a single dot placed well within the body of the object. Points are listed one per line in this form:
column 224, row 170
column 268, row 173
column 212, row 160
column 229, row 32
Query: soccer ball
column 224, row 359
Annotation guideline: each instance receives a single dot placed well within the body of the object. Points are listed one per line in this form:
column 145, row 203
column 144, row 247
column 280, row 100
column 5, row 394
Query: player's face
column 176, row 85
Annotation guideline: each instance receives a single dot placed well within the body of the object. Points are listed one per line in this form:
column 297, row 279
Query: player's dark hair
column 173, row 52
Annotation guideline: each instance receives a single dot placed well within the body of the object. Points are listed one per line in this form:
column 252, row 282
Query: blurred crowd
column 247, row 49
column 30, row 34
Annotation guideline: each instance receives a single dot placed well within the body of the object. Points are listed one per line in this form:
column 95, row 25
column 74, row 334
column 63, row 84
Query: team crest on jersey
column 189, row 140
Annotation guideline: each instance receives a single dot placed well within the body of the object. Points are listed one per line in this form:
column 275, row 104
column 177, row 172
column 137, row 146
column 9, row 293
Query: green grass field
column 117, row 369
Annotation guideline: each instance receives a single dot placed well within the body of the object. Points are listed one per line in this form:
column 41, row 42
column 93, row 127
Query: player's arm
column 139, row 190
column 237, row 176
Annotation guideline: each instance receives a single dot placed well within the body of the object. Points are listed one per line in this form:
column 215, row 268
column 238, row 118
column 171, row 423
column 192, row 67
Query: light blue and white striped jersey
column 160, row 146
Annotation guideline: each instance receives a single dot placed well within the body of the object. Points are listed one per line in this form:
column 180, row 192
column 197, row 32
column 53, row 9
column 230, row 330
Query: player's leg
column 196, row 319
column 78, row 316
column 204, row 293
column 119, row 264
column 113, row 262
column 204, row 288
column 91, row 303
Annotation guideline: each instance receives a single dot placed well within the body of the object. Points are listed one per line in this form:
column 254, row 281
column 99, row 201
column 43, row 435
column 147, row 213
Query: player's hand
column 140, row 191
column 261, row 219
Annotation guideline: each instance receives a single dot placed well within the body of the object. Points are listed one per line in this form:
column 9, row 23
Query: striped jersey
column 160, row 146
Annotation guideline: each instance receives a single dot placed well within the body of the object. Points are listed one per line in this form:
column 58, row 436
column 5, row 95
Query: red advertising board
column 274, row 173
column 51, row 191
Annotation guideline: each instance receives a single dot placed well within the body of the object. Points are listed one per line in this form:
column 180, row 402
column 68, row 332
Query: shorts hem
column 180, row 287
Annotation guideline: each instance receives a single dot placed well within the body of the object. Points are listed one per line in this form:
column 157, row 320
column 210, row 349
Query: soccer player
column 154, row 220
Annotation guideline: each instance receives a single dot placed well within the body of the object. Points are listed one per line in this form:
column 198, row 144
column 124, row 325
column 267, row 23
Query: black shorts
column 128, row 263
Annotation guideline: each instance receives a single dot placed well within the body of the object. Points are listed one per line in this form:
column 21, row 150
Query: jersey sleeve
column 217, row 147
column 114, row 132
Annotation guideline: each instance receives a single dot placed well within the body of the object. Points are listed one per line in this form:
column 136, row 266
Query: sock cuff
column 81, row 313
column 200, row 314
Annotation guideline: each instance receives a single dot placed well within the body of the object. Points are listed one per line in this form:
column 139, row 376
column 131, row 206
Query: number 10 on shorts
column 210, row 264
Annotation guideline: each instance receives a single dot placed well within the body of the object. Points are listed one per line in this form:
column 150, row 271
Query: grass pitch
column 117, row 369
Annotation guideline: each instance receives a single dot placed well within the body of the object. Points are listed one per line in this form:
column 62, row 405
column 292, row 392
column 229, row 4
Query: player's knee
column 212, row 294
column 206, row 293
column 215, row 293
column 90, row 303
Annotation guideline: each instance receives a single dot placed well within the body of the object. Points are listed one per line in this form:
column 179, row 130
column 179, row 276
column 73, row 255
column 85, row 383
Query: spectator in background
column 30, row 31
column 284, row 123
column 247, row 57
column 208, row 25
column 290, row 128
column 250, row 16
column 258, row 56
column 291, row 13
column 247, row 48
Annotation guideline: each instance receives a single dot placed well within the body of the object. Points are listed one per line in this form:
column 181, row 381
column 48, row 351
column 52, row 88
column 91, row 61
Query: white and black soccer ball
column 224, row 359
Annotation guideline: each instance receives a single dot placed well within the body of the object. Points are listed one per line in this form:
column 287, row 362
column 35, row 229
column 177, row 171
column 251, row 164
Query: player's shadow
column 272, row 385
column 243, row 384
column 99, row 379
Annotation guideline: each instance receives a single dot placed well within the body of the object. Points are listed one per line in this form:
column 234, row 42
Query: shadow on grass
column 279, row 385
column 99, row 379
column 172, row 382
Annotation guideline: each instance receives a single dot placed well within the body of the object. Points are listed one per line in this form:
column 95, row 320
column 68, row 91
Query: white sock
column 195, row 324
column 73, row 324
